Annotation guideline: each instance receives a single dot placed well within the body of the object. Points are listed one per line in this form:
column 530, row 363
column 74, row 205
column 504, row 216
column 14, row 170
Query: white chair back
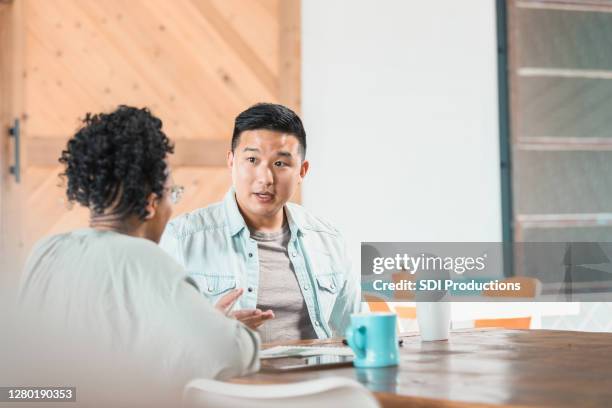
column 332, row 392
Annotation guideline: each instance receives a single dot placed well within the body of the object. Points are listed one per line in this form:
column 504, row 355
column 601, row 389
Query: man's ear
column 304, row 169
column 230, row 159
column 152, row 203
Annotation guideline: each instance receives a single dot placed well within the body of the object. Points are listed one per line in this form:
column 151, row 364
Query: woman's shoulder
column 106, row 247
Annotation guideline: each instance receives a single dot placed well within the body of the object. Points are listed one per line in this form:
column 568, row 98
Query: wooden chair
column 530, row 288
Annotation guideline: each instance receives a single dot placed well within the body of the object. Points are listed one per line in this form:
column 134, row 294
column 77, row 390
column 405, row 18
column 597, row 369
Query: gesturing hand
column 252, row 318
column 227, row 301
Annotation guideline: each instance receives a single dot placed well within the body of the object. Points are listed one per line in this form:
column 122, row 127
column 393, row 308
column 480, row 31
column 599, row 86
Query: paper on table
column 304, row 351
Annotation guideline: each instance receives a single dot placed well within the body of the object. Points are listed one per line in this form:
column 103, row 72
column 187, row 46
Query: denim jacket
column 215, row 247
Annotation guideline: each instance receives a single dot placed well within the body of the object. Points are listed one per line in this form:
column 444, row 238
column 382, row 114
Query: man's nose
column 265, row 175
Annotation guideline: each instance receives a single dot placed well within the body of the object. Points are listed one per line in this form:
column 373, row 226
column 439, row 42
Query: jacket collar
column 236, row 222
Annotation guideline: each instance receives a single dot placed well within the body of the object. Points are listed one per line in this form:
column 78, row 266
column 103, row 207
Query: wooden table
column 488, row 367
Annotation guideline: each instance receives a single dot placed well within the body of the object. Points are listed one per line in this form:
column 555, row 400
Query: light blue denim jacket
column 215, row 247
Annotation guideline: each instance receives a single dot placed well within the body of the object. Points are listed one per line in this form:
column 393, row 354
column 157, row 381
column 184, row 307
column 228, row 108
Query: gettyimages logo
column 486, row 271
column 423, row 262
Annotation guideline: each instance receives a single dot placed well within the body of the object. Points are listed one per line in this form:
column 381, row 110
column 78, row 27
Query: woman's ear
column 152, row 203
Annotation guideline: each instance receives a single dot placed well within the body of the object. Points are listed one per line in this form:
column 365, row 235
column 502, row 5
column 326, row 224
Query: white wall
column 401, row 111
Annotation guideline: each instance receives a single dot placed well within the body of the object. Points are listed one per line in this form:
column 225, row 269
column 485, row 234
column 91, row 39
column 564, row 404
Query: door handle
column 15, row 133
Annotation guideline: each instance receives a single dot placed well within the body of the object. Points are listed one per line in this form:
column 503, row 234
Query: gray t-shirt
column 128, row 296
column 279, row 290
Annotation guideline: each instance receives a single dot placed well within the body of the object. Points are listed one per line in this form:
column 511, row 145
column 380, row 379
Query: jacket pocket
column 329, row 283
column 214, row 285
column 328, row 288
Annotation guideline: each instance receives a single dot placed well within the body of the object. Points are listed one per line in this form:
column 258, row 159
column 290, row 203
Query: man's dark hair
column 117, row 160
column 270, row 116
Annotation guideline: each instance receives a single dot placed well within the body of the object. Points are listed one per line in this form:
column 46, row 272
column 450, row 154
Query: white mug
column 434, row 320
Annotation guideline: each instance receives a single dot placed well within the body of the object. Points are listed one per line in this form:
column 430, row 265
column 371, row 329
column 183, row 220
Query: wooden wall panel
column 12, row 241
column 202, row 185
column 45, row 151
column 5, row 119
column 46, row 195
column 258, row 30
column 290, row 46
column 195, row 63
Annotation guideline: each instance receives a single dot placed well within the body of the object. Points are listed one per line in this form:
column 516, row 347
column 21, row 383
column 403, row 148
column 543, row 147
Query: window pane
column 564, row 39
column 563, row 107
column 561, row 182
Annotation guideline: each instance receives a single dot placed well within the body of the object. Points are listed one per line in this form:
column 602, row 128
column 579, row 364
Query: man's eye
column 251, row 159
column 280, row 164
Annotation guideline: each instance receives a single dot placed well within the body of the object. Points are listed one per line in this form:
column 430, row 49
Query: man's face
column 266, row 171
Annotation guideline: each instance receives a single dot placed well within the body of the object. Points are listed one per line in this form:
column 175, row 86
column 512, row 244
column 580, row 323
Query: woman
column 109, row 289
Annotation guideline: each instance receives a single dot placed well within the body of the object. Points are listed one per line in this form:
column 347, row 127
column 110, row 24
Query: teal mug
column 373, row 338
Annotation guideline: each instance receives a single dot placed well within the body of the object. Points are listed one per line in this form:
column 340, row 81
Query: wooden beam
column 289, row 59
column 290, row 55
column 12, row 237
column 5, row 121
column 45, row 151
column 200, row 152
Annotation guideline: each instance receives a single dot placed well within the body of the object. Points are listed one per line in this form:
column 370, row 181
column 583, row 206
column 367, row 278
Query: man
column 289, row 262
column 109, row 290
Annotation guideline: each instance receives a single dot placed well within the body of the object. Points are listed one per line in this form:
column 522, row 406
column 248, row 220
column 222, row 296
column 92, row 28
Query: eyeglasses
column 176, row 193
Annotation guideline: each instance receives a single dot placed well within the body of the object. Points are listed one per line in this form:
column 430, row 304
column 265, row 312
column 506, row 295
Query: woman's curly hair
column 116, row 160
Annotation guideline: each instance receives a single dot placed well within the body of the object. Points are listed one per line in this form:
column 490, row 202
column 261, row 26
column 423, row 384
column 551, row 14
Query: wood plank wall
column 194, row 63
column 12, row 240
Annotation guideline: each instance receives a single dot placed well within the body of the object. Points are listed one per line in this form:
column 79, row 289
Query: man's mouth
column 264, row 197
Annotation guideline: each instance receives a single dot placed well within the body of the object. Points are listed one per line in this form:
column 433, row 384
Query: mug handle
column 356, row 340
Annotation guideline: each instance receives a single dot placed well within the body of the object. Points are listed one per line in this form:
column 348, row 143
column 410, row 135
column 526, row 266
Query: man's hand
column 252, row 318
